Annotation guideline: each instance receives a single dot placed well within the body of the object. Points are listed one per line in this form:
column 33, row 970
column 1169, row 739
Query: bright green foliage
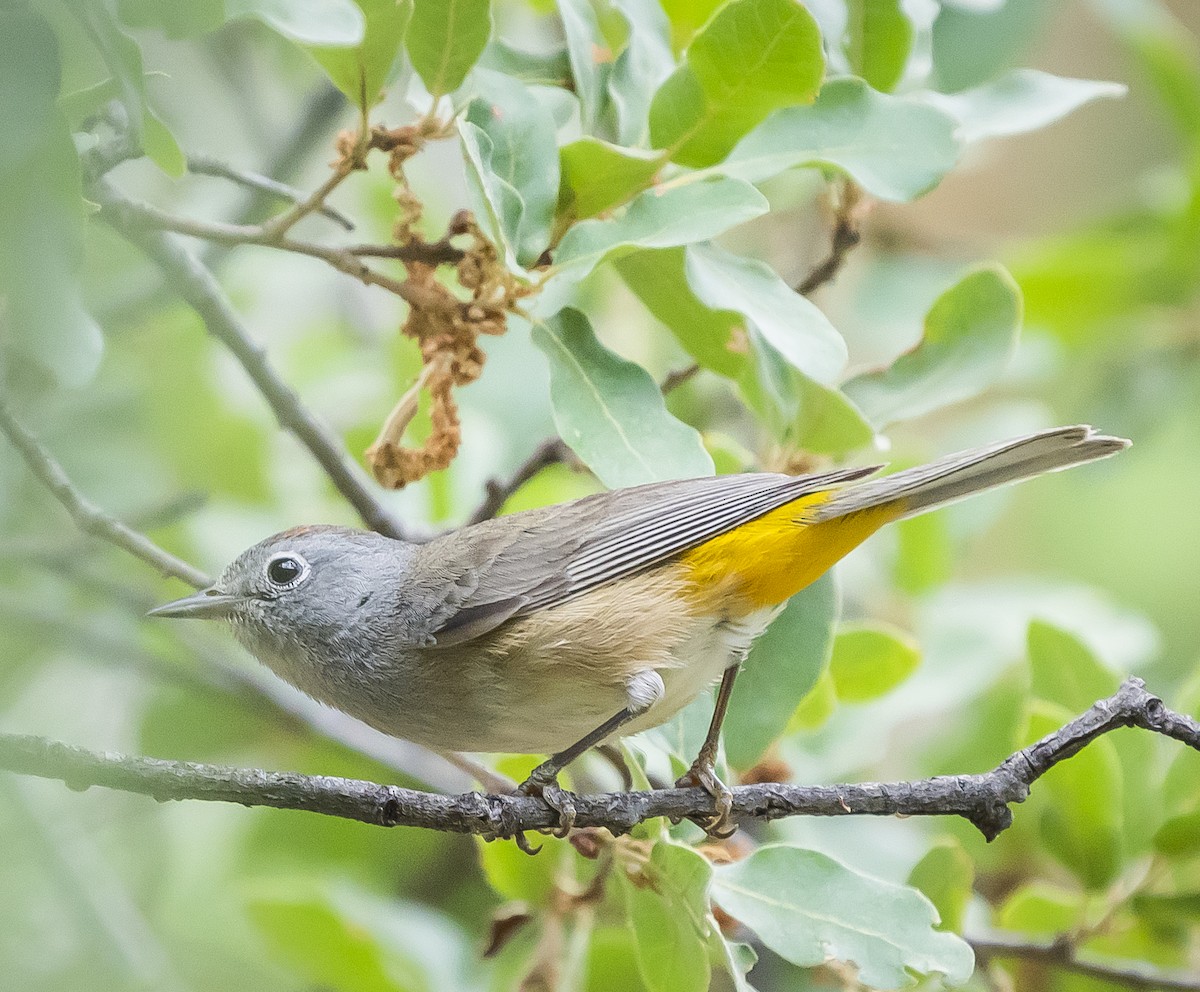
column 753, row 57
column 809, row 908
column 970, row 334
column 783, row 666
column 667, row 905
column 945, row 876
column 598, row 175
column 446, row 38
column 870, row 660
column 309, row 22
column 896, row 148
column 1078, row 803
column 699, row 150
column 361, row 71
column 610, row 410
column 879, row 37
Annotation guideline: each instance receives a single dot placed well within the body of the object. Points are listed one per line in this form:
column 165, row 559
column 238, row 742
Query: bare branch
column 197, row 286
column 87, row 516
column 204, row 165
column 844, row 238
column 1063, row 954
column 982, row 799
column 550, row 452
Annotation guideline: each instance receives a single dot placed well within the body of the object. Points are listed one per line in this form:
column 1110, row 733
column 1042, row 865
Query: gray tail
column 960, row 475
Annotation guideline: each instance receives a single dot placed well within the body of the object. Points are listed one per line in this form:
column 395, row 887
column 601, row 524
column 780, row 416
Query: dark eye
column 286, row 570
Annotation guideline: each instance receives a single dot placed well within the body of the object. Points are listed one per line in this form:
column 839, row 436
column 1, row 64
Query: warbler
column 554, row 630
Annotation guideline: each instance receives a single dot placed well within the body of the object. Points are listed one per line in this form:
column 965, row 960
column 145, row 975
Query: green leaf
column 1064, row 670
column 974, row 43
column 445, row 39
column 346, row 938
column 783, row 665
column 1043, row 908
column 753, row 57
column 879, row 37
column 924, row 553
column 308, row 22
column 946, row 875
column 1180, row 835
column 176, row 20
column 1019, row 101
column 687, row 17
column 597, row 176
column 637, row 72
column 809, row 909
column 1079, row 801
column 719, row 311
column 896, row 148
column 361, row 72
column 793, row 325
column 816, row 707
column 41, row 209
column 869, row 660
column 590, row 57
column 524, row 157
column 124, row 60
column 970, row 335
column 667, row 912
column 658, row 218
column 514, row 876
column 548, row 68
column 497, row 206
column 662, row 218
column 611, row 412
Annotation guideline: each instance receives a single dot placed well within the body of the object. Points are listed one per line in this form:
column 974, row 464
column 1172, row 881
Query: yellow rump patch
column 768, row 560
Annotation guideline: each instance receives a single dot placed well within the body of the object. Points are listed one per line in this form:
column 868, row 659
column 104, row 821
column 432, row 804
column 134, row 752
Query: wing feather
column 534, row 560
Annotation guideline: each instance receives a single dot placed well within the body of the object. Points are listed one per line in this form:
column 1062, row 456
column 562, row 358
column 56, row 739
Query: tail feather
column 960, row 475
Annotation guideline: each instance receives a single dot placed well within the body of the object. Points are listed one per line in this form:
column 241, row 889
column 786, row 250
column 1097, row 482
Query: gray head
column 310, row 597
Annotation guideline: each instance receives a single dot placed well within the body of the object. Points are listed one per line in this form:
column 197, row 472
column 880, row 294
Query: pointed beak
column 207, row 604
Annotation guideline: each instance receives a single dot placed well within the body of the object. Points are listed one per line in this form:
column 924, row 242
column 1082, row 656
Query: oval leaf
column 753, row 57
column 879, row 37
column 810, row 909
column 896, row 148
column 783, row 665
column 611, row 412
column 871, row 660
column 310, row 22
column 445, row 38
column 1019, row 101
column 970, row 335
column 362, row 72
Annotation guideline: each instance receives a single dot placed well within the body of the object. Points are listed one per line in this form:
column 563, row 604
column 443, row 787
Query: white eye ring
column 283, row 576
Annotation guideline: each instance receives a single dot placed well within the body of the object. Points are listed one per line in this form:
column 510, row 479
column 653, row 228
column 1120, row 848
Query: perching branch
column 196, row 285
column 87, row 516
column 982, row 799
column 1063, row 954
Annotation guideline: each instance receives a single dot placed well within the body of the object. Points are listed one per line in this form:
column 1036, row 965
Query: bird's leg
column 642, row 690
column 703, row 772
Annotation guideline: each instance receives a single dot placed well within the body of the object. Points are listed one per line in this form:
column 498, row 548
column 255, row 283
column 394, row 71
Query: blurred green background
column 1098, row 219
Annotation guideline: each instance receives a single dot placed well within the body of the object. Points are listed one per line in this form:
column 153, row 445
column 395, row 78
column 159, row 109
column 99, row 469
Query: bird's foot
column 545, row 786
column 721, row 824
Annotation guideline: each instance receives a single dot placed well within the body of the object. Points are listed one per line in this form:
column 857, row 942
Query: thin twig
column 677, row 377
column 982, row 799
column 87, row 516
column 431, row 253
column 197, row 286
column 131, row 215
column 205, row 165
column 844, row 237
column 1063, row 954
column 550, row 452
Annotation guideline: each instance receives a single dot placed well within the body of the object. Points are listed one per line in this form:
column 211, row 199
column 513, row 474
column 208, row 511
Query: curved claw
column 721, row 825
column 554, row 796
